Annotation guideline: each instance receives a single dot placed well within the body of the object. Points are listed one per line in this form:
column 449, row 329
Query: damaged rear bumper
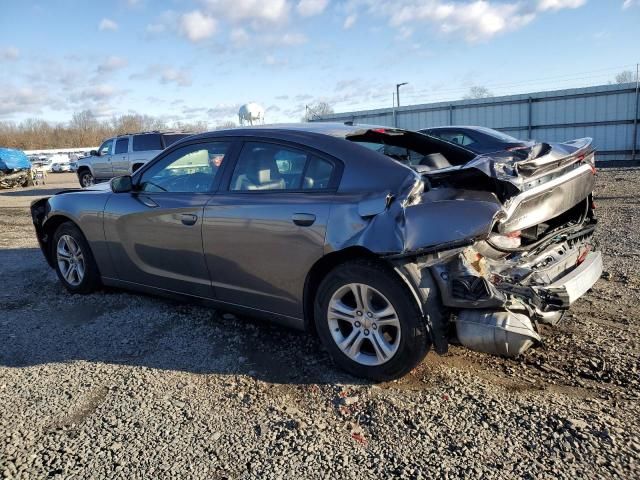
column 496, row 305
column 572, row 286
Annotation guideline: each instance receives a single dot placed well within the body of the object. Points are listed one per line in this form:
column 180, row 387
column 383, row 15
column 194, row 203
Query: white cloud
column 155, row 28
column 288, row 39
column 272, row 11
column 239, row 36
column 559, row 4
column 309, row 8
column 102, row 91
column 107, row 24
column 630, row 3
column 197, row 26
column 350, row 21
column 182, row 78
column 474, row 20
column 165, row 75
column 112, row 63
column 9, row 53
column 21, row 100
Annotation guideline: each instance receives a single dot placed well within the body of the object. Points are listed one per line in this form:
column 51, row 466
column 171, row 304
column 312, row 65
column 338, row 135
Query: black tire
column 91, row 278
column 86, row 179
column 414, row 340
column 136, row 167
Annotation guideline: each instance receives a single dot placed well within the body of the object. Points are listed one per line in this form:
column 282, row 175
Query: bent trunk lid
column 534, row 184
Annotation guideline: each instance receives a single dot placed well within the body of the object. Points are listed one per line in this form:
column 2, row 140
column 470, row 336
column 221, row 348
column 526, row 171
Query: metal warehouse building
column 607, row 113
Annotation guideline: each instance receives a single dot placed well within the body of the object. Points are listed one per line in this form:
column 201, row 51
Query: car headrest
column 435, row 160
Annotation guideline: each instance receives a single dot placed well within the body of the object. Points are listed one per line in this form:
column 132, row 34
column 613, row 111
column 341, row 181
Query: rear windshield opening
column 413, row 149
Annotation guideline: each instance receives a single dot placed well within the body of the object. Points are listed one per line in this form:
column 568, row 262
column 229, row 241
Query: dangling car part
column 382, row 241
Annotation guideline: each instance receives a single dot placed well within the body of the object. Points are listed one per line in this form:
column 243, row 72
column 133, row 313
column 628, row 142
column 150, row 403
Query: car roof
column 363, row 167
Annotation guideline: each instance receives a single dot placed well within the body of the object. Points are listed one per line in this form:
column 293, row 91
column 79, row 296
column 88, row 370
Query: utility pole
column 393, row 108
column 635, row 118
column 398, row 91
column 398, row 85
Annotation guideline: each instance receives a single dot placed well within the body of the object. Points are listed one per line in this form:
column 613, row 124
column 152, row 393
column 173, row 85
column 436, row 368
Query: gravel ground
column 118, row 385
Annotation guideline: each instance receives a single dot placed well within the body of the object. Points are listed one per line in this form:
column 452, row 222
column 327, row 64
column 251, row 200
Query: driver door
column 102, row 162
column 155, row 232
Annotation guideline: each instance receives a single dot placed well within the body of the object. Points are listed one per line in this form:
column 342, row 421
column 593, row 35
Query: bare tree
column 83, row 130
column 626, row 76
column 225, row 125
column 318, row 110
column 478, row 92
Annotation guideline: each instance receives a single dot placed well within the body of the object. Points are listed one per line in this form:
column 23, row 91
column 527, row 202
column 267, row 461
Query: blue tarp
column 11, row 159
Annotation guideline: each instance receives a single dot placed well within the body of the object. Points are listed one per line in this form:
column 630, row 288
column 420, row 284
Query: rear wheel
column 369, row 321
column 86, row 179
column 74, row 262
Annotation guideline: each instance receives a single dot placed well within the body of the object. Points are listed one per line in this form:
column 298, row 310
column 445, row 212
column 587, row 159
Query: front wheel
column 86, row 179
column 369, row 321
column 74, row 262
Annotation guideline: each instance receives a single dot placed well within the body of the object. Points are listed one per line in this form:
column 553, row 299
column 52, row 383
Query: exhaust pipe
column 503, row 333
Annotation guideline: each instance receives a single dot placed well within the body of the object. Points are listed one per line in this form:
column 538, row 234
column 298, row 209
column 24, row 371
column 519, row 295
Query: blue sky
column 188, row 60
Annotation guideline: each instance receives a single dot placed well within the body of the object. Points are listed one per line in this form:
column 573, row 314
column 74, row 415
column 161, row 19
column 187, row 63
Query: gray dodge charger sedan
column 383, row 242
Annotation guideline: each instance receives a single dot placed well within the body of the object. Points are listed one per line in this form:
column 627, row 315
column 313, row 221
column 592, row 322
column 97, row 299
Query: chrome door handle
column 303, row 219
column 189, row 219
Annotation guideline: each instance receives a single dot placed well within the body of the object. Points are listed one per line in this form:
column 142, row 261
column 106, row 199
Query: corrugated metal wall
column 605, row 113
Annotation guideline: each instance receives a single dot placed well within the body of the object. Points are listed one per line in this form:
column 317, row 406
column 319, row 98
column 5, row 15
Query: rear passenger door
column 120, row 157
column 264, row 231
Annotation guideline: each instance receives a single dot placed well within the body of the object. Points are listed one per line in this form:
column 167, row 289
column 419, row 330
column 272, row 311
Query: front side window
column 265, row 166
column 122, row 145
column 147, row 141
column 189, row 169
column 105, row 148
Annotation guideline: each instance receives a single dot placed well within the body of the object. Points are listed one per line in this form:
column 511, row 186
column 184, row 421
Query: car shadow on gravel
column 44, row 324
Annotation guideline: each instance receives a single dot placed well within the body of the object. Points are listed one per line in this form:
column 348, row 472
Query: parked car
column 60, row 163
column 313, row 226
column 73, row 166
column 477, row 139
column 123, row 155
column 15, row 168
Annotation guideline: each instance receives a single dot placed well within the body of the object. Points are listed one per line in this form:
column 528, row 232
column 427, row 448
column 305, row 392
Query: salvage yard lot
column 120, row 384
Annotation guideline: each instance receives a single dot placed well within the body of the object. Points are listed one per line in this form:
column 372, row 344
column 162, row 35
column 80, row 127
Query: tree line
column 85, row 130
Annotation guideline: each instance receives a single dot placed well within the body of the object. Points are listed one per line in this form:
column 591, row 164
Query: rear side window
column 147, row 141
column 457, row 137
column 171, row 138
column 318, row 174
column 122, row 145
column 265, row 166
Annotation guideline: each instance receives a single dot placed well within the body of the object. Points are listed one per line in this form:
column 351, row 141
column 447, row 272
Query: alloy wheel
column 87, row 180
column 364, row 324
column 71, row 260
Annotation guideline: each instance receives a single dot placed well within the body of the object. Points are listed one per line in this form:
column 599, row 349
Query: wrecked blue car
column 15, row 168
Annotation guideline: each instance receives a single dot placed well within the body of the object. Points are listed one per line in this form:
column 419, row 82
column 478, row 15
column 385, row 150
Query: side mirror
column 94, row 153
column 121, row 184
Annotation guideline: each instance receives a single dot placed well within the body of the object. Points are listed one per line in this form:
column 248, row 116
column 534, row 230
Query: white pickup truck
column 123, row 155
